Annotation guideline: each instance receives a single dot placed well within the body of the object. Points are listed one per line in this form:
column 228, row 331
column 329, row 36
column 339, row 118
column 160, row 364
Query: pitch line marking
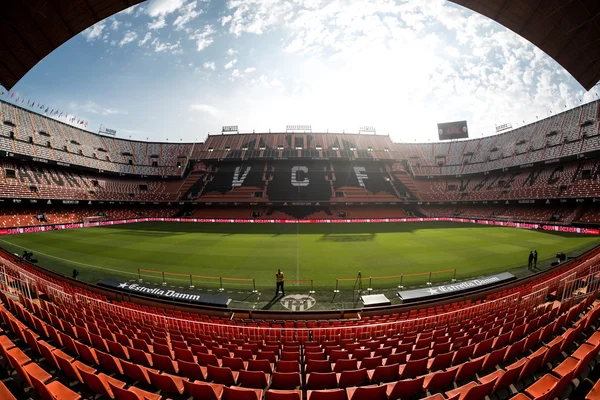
column 77, row 262
column 297, row 254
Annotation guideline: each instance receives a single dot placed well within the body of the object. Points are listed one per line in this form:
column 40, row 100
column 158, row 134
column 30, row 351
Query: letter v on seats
column 237, row 181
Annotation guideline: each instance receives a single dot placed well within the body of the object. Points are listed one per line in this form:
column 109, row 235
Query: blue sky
column 177, row 69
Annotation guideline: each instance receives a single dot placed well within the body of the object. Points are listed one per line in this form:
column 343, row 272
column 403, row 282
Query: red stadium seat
column 99, row 383
column 439, row 380
column 321, row 380
column 203, row 391
column 288, row 366
column 137, row 372
column 330, row 394
column 413, row 368
column 384, row 373
column 164, row 363
column 132, row 393
column 273, row 394
column 167, row 383
column 372, row 392
column 253, row 379
column 54, row 390
column 191, row 370
column 353, row 378
column 260, row 365
column 222, row 375
column 286, row 380
column 345, row 365
column 109, row 362
column 405, row 388
column 237, row 393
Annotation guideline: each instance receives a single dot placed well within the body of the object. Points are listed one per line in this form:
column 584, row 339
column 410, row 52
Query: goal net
column 87, row 221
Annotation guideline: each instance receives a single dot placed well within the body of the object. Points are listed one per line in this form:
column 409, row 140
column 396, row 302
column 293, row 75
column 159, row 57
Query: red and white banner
column 556, row 228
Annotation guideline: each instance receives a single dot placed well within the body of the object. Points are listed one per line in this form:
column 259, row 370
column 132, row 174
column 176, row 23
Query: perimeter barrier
column 585, row 284
column 360, row 282
column 301, row 283
column 12, row 285
column 211, row 281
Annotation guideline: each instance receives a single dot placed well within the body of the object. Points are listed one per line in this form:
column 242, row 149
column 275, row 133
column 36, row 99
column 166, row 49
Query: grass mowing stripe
column 321, row 252
column 73, row 261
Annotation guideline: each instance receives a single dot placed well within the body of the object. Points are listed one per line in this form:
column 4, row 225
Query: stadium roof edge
column 566, row 31
column 32, row 29
column 215, row 135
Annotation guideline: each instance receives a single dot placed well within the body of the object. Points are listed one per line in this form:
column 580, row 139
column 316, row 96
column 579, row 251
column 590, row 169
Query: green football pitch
column 317, row 252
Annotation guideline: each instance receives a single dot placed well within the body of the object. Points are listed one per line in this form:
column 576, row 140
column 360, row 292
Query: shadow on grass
column 180, row 228
column 271, row 302
column 348, row 238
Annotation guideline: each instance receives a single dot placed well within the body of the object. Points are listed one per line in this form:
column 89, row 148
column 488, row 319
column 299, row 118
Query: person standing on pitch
column 530, row 260
column 535, row 259
column 279, row 280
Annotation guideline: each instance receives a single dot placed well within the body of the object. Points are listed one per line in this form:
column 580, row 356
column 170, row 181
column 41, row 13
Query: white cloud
column 203, row 38
column 231, row 63
column 187, row 14
column 129, row 10
column 128, row 38
column 161, row 8
column 208, row 109
column 145, row 39
column 162, row 47
column 417, row 61
column 254, row 16
column 93, row 108
column 235, row 74
column 94, row 32
column 115, row 25
column 158, row 23
column 226, row 19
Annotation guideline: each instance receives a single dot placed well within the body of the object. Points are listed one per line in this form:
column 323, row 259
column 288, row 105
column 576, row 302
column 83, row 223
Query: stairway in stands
column 189, row 181
column 408, row 183
column 575, row 215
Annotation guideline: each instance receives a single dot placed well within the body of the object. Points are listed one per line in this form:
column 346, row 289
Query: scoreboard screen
column 453, row 130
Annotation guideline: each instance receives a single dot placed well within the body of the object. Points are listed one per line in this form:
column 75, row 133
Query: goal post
column 89, row 221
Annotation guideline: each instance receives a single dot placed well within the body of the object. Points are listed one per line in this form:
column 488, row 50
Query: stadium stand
column 312, row 175
column 52, row 215
column 518, row 343
column 538, row 339
column 32, row 135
